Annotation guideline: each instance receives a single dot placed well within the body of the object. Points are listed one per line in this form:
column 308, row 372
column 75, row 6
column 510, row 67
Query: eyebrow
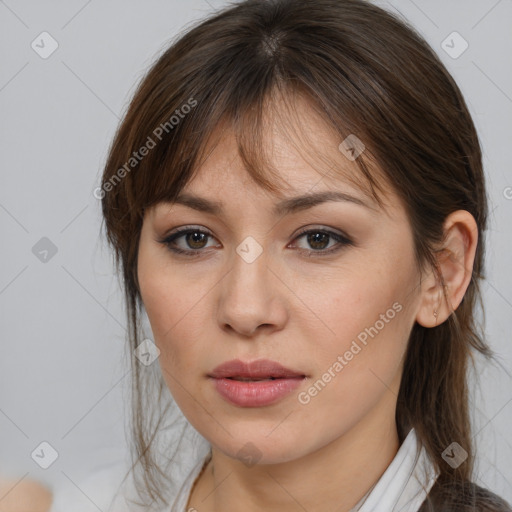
column 286, row 206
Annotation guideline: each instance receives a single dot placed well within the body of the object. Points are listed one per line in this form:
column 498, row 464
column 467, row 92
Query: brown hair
column 368, row 73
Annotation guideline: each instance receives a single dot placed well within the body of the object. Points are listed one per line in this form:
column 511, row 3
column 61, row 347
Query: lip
column 259, row 369
column 257, row 392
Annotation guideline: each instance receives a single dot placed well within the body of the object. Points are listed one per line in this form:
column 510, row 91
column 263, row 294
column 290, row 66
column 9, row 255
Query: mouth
column 248, row 379
column 256, row 384
column 262, row 369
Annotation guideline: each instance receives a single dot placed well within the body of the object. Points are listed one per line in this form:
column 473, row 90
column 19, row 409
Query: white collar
column 402, row 487
column 406, row 482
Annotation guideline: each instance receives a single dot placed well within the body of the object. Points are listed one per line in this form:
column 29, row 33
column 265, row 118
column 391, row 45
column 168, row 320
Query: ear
column 455, row 260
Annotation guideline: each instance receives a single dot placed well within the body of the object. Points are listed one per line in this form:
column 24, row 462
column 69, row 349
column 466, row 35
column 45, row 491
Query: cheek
column 177, row 324
column 176, row 328
column 172, row 310
column 172, row 299
column 346, row 306
column 357, row 368
column 360, row 332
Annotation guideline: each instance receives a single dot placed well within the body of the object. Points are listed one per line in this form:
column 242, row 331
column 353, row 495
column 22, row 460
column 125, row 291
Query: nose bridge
column 247, row 298
column 249, row 269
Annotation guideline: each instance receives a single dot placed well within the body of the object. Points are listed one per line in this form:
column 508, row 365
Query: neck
column 335, row 477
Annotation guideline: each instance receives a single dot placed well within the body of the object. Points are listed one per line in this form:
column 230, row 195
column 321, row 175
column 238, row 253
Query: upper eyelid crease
column 286, row 206
column 341, row 239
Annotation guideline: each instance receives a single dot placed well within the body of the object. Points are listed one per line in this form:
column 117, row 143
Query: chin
column 258, row 442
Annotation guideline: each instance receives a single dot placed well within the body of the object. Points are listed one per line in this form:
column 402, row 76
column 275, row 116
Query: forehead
column 224, row 180
column 297, row 148
column 223, row 188
column 294, row 148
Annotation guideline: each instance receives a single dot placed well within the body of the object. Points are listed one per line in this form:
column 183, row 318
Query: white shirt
column 402, row 487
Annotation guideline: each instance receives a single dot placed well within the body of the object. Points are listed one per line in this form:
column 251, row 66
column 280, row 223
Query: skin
column 300, row 311
column 24, row 496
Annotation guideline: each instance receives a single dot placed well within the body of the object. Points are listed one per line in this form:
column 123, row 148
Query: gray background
column 63, row 377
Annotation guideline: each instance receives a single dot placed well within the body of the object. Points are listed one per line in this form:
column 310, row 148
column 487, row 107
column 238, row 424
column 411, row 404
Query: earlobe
column 455, row 265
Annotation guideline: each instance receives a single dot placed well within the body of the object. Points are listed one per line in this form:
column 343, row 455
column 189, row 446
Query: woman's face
column 337, row 314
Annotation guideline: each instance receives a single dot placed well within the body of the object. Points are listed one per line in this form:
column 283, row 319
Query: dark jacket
column 467, row 497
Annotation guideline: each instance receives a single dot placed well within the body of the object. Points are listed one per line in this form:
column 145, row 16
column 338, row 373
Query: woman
column 295, row 198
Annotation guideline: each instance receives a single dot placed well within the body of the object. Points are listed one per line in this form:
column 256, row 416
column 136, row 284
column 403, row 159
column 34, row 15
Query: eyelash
column 342, row 240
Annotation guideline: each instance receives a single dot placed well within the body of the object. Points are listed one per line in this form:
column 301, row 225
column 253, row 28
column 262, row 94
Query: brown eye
column 194, row 241
column 318, row 240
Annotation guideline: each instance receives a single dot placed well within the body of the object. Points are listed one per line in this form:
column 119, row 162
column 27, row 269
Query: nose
column 252, row 297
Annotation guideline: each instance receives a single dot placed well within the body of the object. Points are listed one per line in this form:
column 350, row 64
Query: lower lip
column 256, row 393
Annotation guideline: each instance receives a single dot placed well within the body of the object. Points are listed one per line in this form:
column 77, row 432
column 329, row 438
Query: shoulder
column 463, row 497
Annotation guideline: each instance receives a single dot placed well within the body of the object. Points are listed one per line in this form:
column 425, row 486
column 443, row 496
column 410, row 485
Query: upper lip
column 260, row 369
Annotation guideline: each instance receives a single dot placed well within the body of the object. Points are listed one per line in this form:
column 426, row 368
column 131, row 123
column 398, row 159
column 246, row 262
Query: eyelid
column 182, row 230
column 317, row 227
column 186, row 227
column 342, row 241
column 340, row 237
column 306, row 229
